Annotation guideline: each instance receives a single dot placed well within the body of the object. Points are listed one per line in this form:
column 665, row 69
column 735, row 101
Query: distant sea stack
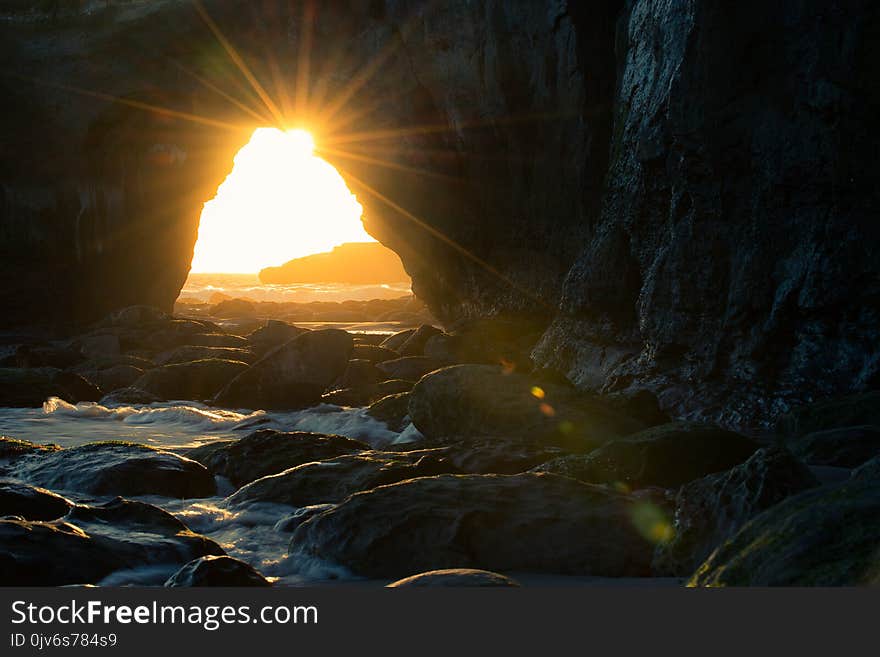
column 354, row 262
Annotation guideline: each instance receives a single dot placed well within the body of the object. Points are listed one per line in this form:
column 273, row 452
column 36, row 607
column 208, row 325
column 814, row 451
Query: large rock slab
column 710, row 510
column 484, row 400
column 292, row 375
column 667, row 455
column 115, row 468
column 200, row 379
column 529, row 522
column 335, row 479
column 92, row 542
column 826, row 536
column 268, row 452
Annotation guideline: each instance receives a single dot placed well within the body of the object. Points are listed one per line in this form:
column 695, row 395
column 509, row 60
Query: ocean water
column 205, row 287
column 248, row 533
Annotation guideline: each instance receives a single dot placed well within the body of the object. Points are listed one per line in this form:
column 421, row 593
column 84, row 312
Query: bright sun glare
column 279, row 202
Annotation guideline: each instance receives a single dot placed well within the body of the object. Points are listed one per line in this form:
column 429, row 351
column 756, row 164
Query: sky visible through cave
column 279, row 202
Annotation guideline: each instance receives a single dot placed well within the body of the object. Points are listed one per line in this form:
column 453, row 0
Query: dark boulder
column 114, row 378
column 189, row 353
column 710, row 510
column 61, row 356
column 292, row 375
column 487, row 341
column 272, row 335
column 217, row 571
column 130, row 395
column 200, row 379
column 454, row 577
column 528, row 522
column 31, row 387
column 268, row 452
column 415, row 343
column 215, row 340
column 397, row 340
column 493, row 455
column 847, row 447
column 668, row 456
column 366, row 395
column 393, row 410
column 116, row 468
column 410, row 368
column 31, row 503
column 868, row 470
column 484, row 400
column 826, row 536
column 373, row 353
column 12, row 449
column 289, row 523
column 233, row 308
column 335, row 479
column 358, row 374
column 92, row 542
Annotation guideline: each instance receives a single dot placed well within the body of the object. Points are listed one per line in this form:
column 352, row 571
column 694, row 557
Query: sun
column 279, row 202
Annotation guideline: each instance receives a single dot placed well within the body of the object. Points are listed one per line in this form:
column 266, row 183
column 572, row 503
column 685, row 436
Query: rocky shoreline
column 498, row 467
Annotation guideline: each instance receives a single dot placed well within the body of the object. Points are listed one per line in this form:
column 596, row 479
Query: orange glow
column 279, row 202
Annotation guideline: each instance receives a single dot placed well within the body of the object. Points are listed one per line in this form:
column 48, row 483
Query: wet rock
column 31, row 387
column 200, row 379
column 58, row 355
column 30, row 502
column 130, row 395
column 393, row 410
column 217, row 340
column 454, row 577
column 483, row 400
column 292, row 375
column 116, row 468
column 273, row 334
column 826, row 536
column 189, row 353
column 358, row 374
column 487, row 341
column 839, row 413
column 397, row 340
column 493, row 455
column 135, row 317
column 99, row 363
column 233, row 308
column 368, row 394
column 115, row 378
column 335, row 479
column 668, row 456
column 528, row 522
column 410, row 368
column 868, row 470
column 98, row 346
column 710, row 510
column 415, row 343
column 217, row 571
column 290, row 522
column 642, row 405
column 373, row 353
column 848, row 447
column 92, row 542
column 12, row 448
column 269, row 452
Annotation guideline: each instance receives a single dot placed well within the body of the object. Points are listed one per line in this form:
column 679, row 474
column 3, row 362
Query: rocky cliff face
column 684, row 189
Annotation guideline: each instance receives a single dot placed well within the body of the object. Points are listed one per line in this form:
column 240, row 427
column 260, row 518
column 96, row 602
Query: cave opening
column 283, row 238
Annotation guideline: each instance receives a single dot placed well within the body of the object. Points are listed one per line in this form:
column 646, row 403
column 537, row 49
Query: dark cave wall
column 687, row 189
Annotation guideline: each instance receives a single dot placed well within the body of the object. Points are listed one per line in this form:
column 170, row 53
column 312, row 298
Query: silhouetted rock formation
column 355, row 262
column 686, row 190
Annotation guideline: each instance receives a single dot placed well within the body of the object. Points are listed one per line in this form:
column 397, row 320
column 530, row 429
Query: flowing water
column 247, row 533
